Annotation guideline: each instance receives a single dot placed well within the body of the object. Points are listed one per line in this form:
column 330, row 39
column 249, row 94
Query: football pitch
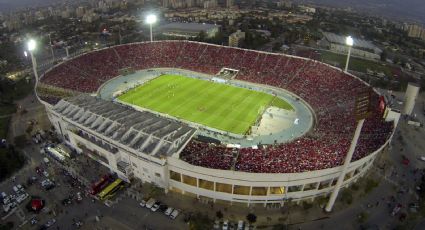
column 216, row 105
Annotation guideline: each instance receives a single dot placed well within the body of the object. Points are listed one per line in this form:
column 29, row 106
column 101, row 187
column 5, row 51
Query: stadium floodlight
column 349, row 42
column 151, row 19
column 31, row 45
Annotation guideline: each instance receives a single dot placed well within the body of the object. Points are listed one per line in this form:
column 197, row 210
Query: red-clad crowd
column 329, row 91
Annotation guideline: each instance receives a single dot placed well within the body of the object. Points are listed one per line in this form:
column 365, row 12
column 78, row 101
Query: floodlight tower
column 51, row 47
column 349, row 42
column 151, row 19
column 362, row 110
column 31, row 45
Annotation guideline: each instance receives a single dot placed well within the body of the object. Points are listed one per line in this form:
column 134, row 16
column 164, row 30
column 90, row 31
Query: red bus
column 101, row 184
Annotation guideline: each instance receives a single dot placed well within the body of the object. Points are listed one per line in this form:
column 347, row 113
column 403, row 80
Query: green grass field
column 356, row 64
column 216, row 105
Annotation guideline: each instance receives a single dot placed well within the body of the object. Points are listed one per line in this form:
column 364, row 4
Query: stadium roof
column 360, row 43
column 141, row 131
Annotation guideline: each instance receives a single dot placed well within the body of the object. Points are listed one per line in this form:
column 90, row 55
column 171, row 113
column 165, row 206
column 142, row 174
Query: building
column 284, row 3
column 210, row 4
column 416, row 31
column 90, row 16
column 80, row 11
column 307, row 9
column 361, row 48
column 188, row 30
column 236, row 38
column 229, row 3
column 410, row 97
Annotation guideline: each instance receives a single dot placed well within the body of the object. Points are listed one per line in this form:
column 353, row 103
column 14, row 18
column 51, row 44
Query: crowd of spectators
column 329, row 91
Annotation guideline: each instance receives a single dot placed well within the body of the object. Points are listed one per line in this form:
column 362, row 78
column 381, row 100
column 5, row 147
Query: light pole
column 151, row 19
column 362, row 110
column 51, row 48
column 31, row 47
column 349, row 42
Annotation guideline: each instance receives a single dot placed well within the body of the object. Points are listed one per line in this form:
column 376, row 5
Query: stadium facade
column 157, row 149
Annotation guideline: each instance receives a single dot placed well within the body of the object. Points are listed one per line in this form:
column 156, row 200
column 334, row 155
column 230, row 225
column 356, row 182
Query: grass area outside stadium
column 216, row 105
column 356, row 64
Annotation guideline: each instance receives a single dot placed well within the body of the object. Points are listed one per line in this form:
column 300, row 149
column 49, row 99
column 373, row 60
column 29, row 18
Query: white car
column 155, row 206
column 45, row 173
column 6, row 208
column 20, row 188
column 150, row 203
column 79, row 197
column 22, row 197
column 142, row 203
column 422, row 158
column 50, row 222
column 168, row 211
column 240, row 225
column 216, row 225
column 174, row 214
column 226, row 225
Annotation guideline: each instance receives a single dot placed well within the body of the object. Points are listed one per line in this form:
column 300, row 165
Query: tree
column 251, row 218
column 7, row 226
column 219, row 214
column 200, row 221
column 201, row 36
column 277, row 46
column 384, row 55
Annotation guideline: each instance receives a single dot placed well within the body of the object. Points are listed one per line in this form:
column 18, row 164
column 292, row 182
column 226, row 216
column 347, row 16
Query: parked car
column 240, row 225
column 216, row 225
column 163, row 207
column 396, row 209
column 150, row 203
column 50, row 222
column 174, row 214
column 23, row 196
column 225, row 225
column 155, row 206
column 168, row 211
column 66, row 201
column 79, row 197
column 34, row 220
column 142, row 203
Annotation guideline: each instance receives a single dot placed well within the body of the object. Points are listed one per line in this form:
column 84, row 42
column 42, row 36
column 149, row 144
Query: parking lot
column 63, row 189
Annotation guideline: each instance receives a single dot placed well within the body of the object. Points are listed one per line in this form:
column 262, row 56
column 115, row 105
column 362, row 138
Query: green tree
column 200, row 221
column 201, row 36
column 7, row 226
column 384, row 55
column 251, row 218
column 219, row 214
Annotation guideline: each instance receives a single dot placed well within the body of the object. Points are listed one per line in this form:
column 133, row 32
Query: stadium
column 216, row 123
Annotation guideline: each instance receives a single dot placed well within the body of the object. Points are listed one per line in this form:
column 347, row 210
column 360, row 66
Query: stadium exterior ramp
column 118, row 136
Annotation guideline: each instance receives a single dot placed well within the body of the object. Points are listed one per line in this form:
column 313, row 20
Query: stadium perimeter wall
column 295, row 186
